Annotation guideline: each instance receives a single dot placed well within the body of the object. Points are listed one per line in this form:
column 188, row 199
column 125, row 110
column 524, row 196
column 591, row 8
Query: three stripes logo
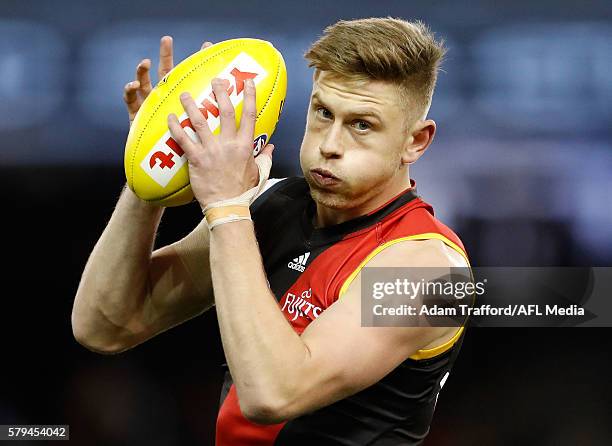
column 299, row 263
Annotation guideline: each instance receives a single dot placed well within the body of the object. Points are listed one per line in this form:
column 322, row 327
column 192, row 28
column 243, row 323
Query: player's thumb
column 267, row 150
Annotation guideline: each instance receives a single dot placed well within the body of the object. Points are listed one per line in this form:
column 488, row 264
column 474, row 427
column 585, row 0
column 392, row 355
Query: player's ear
column 420, row 137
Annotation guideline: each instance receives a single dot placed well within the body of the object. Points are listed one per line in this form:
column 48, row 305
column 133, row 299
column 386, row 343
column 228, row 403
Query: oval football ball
column 155, row 165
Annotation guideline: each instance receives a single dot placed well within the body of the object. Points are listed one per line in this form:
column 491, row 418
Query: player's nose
column 331, row 146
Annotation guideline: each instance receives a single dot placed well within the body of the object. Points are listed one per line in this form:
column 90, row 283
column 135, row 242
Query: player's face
column 356, row 131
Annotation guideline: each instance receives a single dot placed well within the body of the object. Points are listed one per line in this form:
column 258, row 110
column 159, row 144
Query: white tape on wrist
column 214, row 218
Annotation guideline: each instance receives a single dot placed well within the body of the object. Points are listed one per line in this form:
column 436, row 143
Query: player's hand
column 220, row 166
column 135, row 92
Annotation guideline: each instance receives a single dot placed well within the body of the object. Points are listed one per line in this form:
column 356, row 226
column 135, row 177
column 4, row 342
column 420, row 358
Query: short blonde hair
column 387, row 49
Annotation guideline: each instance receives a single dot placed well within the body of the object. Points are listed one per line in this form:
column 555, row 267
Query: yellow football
column 155, row 165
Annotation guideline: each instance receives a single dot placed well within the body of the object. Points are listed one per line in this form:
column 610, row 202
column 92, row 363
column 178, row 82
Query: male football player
column 284, row 271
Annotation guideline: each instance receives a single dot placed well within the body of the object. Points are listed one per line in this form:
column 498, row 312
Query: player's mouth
column 324, row 177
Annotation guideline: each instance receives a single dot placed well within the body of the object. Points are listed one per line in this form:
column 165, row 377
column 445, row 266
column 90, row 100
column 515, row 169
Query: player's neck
column 326, row 216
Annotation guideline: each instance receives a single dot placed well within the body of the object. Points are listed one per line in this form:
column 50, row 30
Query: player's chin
column 330, row 198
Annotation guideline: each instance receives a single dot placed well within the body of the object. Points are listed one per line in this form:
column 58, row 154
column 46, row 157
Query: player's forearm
column 263, row 352
column 114, row 281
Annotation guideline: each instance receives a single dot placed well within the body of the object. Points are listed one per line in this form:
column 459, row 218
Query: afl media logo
column 299, row 263
column 259, row 143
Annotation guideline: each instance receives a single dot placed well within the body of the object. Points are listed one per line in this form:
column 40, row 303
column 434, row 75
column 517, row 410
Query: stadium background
column 521, row 167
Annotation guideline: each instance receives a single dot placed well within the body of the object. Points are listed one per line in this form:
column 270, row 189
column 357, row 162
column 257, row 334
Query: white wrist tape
column 214, row 218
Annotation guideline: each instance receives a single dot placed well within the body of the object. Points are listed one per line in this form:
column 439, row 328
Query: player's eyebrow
column 357, row 112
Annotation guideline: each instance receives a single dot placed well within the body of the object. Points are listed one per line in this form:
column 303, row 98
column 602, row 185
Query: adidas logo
column 299, row 263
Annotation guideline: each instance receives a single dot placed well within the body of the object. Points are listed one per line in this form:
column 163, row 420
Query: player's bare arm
column 128, row 292
column 280, row 375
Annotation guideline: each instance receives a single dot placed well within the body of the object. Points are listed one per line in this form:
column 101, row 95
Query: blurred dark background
column 521, row 168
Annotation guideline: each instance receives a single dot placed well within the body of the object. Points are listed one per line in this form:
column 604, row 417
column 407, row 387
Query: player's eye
column 324, row 113
column 362, row 126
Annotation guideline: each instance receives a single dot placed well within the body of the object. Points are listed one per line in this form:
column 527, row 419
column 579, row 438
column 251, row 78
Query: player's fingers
column 206, row 45
column 144, row 77
column 227, row 114
column 130, row 97
column 166, row 58
column 249, row 112
column 183, row 140
column 198, row 123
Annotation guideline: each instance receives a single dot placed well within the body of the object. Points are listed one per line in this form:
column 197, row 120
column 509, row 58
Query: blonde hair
column 386, row 49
